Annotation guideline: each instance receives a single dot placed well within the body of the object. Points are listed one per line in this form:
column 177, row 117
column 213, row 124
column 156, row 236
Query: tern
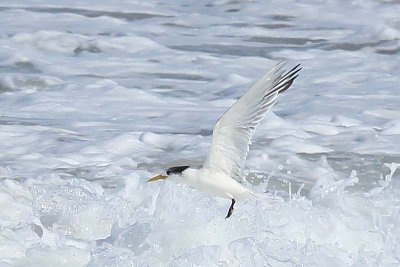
column 222, row 172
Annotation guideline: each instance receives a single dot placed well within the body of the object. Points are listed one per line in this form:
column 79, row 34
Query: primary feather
column 232, row 132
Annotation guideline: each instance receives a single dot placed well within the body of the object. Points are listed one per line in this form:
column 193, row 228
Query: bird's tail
column 256, row 196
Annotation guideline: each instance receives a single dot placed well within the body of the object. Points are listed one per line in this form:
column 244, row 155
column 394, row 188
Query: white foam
column 97, row 97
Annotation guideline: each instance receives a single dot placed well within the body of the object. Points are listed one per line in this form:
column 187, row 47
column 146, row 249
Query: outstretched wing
column 232, row 132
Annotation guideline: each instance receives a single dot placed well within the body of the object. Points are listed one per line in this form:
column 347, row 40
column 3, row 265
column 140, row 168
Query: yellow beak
column 158, row 177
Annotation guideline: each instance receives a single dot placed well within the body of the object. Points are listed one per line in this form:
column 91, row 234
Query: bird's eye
column 168, row 172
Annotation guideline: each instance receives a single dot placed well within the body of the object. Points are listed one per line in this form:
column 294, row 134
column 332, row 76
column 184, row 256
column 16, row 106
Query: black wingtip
column 287, row 79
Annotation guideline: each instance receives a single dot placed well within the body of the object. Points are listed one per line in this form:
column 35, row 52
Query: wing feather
column 232, row 132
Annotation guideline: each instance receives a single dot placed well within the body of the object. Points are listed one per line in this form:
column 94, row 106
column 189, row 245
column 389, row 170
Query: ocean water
column 98, row 96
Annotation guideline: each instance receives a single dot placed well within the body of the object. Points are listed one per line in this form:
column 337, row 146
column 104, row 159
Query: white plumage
column 222, row 171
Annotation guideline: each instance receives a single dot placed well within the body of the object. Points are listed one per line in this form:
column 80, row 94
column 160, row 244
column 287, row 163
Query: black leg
column 230, row 211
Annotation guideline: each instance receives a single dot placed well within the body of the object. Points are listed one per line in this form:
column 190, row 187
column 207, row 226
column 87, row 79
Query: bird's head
column 170, row 172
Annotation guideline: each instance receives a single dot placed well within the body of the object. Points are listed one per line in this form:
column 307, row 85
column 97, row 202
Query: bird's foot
column 230, row 211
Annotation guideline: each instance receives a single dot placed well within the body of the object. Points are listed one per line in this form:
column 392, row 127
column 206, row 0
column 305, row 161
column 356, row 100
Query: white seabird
column 221, row 174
